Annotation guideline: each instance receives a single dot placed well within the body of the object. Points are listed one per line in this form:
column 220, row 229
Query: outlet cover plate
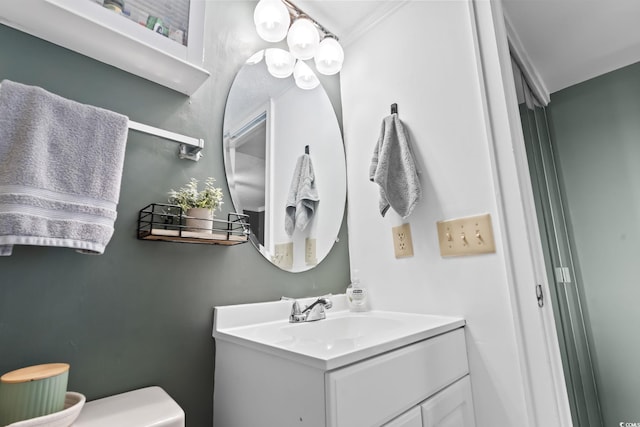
column 466, row 236
column 402, row 243
column 310, row 251
column 283, row 256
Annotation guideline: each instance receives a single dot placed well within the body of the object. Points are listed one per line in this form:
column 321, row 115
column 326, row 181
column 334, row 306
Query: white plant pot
column 199, row 220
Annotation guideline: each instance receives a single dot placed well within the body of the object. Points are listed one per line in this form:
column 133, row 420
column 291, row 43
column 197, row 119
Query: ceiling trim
column 385, row 10
column 531, row 74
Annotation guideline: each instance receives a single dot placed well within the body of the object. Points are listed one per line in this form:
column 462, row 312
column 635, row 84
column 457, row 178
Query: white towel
column 303, row 196
column 60, row 170
column 393, row 169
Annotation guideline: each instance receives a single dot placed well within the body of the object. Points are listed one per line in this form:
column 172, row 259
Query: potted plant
column 198, row 206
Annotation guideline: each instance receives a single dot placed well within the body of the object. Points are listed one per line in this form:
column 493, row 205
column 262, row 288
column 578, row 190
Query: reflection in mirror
column 268, row 124
column 169, row 18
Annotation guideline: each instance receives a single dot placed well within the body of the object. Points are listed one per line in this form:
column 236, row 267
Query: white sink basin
column 340, row 339
column 350, row 328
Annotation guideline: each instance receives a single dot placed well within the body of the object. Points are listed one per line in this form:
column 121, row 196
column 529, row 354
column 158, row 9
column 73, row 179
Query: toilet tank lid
column 150, row 406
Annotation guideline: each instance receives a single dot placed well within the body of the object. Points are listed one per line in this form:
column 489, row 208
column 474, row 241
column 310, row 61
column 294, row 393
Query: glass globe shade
column 303, row 39
column 329, row 57
column 305, row 78
column 272, row 20
column 255, row 58
column 280, row 63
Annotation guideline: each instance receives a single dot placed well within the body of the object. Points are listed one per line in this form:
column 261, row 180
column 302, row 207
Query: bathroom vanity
column 349, row 370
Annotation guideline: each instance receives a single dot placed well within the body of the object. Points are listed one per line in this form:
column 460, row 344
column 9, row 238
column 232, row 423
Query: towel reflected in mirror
column 302, row 199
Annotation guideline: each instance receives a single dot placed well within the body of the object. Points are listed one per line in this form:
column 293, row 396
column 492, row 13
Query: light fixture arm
column 295, row 12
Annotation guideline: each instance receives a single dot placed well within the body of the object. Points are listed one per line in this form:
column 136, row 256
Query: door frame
column 541, row 364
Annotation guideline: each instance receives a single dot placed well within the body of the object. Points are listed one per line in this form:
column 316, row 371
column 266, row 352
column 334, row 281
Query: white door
column 452, row 407
column 411, row 418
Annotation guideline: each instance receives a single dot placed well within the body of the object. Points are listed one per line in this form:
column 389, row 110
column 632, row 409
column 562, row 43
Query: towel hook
column 394, row 108
column 306, row 149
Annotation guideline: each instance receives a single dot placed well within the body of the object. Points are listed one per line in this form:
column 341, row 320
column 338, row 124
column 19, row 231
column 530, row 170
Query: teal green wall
column 141, row 314
column 596, row 128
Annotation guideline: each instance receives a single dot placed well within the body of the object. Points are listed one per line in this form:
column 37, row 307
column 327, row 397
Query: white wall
column 424, row 57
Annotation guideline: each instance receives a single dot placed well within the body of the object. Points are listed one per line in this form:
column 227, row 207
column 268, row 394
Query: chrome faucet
column 314, row 311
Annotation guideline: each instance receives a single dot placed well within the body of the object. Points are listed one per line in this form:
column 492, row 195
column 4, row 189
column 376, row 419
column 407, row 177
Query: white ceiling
column 570, row 41
column 567, row 41
column 348, row 19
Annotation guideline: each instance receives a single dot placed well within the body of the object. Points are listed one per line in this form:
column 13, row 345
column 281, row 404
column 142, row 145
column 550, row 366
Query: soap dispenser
column 357, row 294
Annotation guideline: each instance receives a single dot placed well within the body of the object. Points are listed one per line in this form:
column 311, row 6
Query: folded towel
column 60, row 170
column 303, row 196
column 393, row 169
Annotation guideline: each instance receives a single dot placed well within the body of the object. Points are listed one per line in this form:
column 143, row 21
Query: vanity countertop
column 342, row 338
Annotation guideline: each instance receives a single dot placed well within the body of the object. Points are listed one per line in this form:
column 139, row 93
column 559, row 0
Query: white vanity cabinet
column 376, row 390
column 451, row 407
column 411, row 418
column 422, row 384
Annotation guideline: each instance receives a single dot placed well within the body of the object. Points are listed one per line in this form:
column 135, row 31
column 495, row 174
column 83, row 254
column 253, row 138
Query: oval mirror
column 285, row 165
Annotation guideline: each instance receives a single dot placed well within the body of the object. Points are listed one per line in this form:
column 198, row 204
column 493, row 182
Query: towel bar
column 190, row 148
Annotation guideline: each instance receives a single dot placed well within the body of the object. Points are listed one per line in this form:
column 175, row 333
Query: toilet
column 146, row 407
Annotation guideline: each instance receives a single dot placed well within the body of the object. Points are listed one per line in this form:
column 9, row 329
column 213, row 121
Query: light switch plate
column 402, row 243
column 283, row 256
column 310, row 251
column 466, row 236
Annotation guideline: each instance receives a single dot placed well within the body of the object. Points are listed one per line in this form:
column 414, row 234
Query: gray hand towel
column 60, row 170
column 303, row 196
column 393, row 169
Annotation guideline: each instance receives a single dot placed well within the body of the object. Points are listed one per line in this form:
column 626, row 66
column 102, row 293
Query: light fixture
column 303, row 37
column 255, row 58
column 329, row 57
column 280, row 63
column 272, row 20
column 305, row 77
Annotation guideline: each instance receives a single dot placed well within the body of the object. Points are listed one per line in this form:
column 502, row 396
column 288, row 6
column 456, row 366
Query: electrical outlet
column 283, row 255
column 402, row 243
column 310, row 251
column 466, row 236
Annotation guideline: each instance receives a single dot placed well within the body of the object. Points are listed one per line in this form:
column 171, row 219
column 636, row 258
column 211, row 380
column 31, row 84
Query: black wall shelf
column 165, row 222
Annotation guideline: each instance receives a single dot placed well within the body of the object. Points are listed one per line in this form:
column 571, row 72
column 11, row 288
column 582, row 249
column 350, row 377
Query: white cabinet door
column 411, row 418
column 452, row 407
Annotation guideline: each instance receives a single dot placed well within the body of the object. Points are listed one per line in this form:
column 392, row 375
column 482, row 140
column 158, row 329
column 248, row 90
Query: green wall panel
column 141, row 314
column 596, row 128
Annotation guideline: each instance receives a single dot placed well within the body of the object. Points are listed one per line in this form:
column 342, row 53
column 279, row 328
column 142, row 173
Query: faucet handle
column 296, row 313
column 295, row 308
